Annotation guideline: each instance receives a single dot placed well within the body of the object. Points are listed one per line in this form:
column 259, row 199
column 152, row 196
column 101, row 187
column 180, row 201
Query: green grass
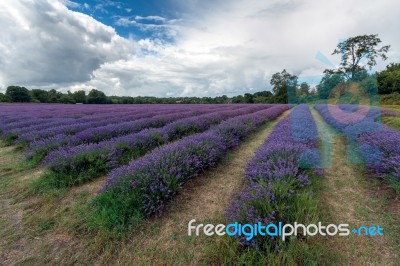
column 390, row 99
column 392, row 121
column 393, row 182
column 296, row 251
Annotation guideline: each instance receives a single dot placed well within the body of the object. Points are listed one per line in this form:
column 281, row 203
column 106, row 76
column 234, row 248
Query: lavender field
column 102, row 174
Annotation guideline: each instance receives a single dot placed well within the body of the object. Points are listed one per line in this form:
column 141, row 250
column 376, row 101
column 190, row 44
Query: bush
column 391, row 99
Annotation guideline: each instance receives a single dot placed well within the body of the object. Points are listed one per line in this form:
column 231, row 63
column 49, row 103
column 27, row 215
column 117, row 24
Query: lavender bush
column 376, row 144
column 276, row 178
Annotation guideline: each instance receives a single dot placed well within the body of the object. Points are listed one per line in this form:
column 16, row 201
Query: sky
column 170, row 48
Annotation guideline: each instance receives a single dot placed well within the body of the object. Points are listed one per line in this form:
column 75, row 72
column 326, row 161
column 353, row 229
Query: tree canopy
column 78, row 96
column 18, row 94
column 389, row 79
column 3, row 98
column 284, row 86
column 97, row 97
column 354, row 51
column 328, row 83
column 304, row 89
column 40, row 95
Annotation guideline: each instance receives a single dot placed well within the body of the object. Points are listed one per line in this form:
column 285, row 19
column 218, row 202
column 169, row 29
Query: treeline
column 258, row 97
column 17, row 94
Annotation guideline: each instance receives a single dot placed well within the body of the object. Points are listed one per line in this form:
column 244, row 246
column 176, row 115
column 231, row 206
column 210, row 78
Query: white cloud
column 71, row 4
column 43, row 43
column 151, row 18
column 125, row 22
column 219, row 47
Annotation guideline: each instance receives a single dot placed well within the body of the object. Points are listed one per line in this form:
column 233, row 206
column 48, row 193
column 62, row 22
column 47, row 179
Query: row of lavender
column 141, row 189
column 34, row 127
column 19, row 112
column 13, row 113
column 43, row 135
column 277, row 178
column 377, row 144
column 76, row 164
column 44, row 141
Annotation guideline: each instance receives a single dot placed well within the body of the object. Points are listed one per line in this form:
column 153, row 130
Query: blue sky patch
column 139, row 19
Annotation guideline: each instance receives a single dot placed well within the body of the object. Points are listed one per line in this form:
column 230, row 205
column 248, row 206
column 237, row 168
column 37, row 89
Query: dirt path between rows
column 351, row 197
column 164, row 241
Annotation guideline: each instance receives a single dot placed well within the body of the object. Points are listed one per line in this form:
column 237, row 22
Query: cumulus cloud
column 42, row 43
column 218, row 47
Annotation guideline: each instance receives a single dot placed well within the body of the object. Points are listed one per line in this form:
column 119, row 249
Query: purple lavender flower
column 275, row 173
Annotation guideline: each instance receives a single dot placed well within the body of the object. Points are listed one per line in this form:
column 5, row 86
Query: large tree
column 54, row 96
column 96, row 96
column 283, row 86
column 389, row 79
column 18, row 94
column 304, row 89
column 328, row 83
column 67, row 99
column 3, row 98
column 40, row 95
column 78, row 96
column 263, row 94
column 248, row 98
column 354, row 51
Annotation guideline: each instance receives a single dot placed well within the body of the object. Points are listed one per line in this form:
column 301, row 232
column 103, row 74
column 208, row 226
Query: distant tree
column 356, row 49
column 262, row 99
column 304, row 89
column 40, row 95
column 327, row 83
column 248, row 98
column 284, row 86
column 370, row 85
column 18, row 94
column 389, row 79
column 67, row 99
column 263, row 94
column 78, row 96
column 127, row 100
column 220, row 99
column 3, row 98
column 313, row 91
column 360, row 75
column 54, row 96
column 238, row 99
column 97, row 97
